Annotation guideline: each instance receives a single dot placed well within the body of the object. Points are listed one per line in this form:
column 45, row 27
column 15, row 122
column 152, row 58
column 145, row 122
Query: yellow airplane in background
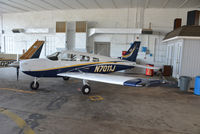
column 6, row 60
column 12, row 60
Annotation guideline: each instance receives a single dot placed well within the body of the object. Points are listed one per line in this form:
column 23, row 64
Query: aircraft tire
column 86, row 89
column 65, row 78
column 34, row 87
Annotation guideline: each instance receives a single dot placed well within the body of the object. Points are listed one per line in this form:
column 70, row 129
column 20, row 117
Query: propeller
column 16, row 65
column 17, row 73
column 17, row 68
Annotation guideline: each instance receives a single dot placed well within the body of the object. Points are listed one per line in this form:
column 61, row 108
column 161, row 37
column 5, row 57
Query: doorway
column 102, row 48
column 177, row 59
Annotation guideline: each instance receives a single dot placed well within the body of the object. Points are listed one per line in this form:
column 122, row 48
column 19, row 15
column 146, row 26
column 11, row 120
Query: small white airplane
column 85, row 66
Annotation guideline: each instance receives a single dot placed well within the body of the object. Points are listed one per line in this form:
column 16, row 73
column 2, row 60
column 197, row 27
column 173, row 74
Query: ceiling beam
column 64, row 2
column 97, row 3
column 4, row 10
column 78, row 1
column 20, row 4
column 165, row 3
column 52, row 5
column 146, row 4
column 3, row 3
column 197, row 6
column 184, row 2
column 29, row 1
column 114, row 4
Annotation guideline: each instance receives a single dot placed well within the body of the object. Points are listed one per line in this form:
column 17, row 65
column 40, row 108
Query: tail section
column 132, row 52
column 34, row 51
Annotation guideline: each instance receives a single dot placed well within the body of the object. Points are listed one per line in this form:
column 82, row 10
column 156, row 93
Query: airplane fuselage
column 49, row 68
column 85, row 66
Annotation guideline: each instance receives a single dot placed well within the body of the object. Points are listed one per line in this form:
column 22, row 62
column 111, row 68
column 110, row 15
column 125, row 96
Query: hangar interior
column 169, row 36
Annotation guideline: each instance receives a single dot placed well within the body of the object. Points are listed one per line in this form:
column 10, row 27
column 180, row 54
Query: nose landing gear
column 34, row 84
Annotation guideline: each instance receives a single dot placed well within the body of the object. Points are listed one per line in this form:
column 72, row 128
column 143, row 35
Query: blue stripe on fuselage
column 84, row 68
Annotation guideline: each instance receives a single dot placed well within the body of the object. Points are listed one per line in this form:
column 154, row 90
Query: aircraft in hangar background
column 33, row 52
column 85, row 66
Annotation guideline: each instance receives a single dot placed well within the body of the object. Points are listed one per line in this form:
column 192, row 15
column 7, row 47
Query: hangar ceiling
column 10, row 6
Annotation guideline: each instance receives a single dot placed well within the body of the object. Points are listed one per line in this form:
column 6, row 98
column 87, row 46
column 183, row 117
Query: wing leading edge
column 111, row 79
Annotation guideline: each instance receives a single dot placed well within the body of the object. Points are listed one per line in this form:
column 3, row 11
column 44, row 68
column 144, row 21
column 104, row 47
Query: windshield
column 53, row 56
column 64, row 56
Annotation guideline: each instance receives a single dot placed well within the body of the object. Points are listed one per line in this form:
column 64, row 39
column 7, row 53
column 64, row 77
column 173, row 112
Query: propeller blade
column 17, row 73
column 17, row 57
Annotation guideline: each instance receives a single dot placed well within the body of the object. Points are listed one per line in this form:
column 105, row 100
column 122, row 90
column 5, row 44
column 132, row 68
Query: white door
column 177, row 59
column 170, row 54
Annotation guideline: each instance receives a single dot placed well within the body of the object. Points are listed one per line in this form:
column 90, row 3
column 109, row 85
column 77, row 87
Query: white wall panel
column 160, row 19
column 116, row 50
column 191, row 58
column 163, row 19
column 80, row 41
column 16, row 43
column 9, row 46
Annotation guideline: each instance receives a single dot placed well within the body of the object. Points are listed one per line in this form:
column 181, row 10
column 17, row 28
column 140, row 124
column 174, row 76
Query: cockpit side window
column 84, row 58
column 95, row 59
column 73, row 57
column 66, row 57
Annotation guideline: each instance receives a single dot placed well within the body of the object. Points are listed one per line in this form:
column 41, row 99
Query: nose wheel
column 34, row 85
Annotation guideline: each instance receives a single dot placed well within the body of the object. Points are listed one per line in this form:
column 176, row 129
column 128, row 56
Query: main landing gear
column 86, row 88
column 34, row 84
column 65, row 78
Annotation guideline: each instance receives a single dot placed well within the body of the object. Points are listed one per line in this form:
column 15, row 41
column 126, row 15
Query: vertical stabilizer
column 132, row 52
column 34, row 51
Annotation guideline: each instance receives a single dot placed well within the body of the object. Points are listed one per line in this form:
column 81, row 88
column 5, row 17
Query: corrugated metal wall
column 191, row 58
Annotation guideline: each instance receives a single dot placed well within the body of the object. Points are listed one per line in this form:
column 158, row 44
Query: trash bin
column 185, row 83
column 197, row 86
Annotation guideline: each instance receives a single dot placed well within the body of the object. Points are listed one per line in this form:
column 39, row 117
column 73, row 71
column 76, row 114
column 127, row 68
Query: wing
column 111, row 79
column 143, row 66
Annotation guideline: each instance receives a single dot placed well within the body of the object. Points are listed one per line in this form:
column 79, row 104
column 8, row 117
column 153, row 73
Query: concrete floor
column 58, row 107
